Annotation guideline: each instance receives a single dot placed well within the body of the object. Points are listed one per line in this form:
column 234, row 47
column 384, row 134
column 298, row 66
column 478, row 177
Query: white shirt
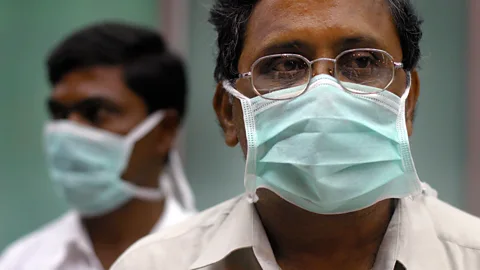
column 64, row 245
column 424, row 234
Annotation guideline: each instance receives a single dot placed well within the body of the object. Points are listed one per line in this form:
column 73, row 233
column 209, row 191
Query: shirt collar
column 235, row 232
column 388, row 252
column 410, row 237
column 172, row 213
column 72, row 237
column 419, row 246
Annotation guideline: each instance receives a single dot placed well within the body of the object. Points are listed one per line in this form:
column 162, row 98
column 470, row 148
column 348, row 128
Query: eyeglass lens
column 366, row 67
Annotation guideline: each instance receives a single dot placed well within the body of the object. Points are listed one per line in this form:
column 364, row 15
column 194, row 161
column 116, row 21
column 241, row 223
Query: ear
column 168, row 129
column 412, row 100
column 224, row 111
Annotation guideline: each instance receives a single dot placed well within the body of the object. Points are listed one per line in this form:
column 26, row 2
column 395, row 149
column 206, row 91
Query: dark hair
column 150, row 71
column 230, row 18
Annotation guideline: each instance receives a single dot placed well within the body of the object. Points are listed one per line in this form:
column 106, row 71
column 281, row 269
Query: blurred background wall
column 473, row 126
column 27, row 32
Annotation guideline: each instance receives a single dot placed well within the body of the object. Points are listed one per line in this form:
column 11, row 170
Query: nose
column 323, row 66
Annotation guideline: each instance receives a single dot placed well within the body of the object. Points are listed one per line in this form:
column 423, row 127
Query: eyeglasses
column 369, row 67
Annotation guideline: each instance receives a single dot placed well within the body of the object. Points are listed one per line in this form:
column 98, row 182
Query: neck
column 325, row 241
column 126, row 224
column 131, row 221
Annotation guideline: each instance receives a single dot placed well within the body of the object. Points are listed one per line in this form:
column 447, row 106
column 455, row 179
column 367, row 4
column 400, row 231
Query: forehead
column 105, row 82
column 320, row 23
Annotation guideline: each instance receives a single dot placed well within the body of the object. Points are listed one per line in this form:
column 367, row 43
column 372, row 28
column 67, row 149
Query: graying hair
column 230, row 18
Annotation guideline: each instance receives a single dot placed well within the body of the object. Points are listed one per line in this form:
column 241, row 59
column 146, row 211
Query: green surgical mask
column 86, row 165
column 329, row 151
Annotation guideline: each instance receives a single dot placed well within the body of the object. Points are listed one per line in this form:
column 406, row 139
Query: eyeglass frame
column 396, row 65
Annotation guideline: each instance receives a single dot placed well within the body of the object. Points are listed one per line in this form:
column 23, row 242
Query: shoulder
column 176, row 247
column 25, row 251
column 458, row 234
column 453, row 225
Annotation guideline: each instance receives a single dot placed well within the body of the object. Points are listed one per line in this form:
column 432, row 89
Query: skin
column 99, row 98
column 301, row 239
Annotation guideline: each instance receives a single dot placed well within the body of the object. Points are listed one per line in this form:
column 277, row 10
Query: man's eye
column 358, row 60
column 362, row 62
column 96, row 111
column 286, row 65
column 277, row 66
column 58, row 114
column 57, row 111
column 92, row 114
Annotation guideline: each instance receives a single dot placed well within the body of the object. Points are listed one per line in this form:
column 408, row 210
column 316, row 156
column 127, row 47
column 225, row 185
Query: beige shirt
column 424, row 234
column 64, row 245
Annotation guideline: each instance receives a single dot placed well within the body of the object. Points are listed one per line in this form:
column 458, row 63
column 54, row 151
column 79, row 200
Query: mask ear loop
column 145, row 127
column 407, row 158
column 402, row 124
column 139, row 132
column 135, row 135
column 250, row 177
column 181, row 186
column 150, row 194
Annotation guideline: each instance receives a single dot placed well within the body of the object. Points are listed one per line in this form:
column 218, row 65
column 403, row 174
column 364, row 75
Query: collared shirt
column 64, row 244
column 424, row 234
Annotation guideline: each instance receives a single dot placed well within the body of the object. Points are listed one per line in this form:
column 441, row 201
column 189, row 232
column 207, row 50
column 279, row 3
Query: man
column 321, row 96
column 117, row 103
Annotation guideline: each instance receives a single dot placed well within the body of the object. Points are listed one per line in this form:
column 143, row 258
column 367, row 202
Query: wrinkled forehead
column 322, row 27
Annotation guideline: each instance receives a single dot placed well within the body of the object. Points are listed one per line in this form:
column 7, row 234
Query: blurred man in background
column 116, row 107
column 321, row 96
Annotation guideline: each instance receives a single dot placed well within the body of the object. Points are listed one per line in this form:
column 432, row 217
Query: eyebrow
column 354, row 42
column 307, row 48
column 103, row 102
column 293, row 46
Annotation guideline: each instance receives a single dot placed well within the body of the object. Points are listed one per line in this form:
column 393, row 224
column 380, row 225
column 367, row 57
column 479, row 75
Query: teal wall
column 27, row 32
column 215, row 170
column 438, row 141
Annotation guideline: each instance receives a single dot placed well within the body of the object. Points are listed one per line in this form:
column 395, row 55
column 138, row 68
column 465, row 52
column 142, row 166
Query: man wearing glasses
column 320, row 95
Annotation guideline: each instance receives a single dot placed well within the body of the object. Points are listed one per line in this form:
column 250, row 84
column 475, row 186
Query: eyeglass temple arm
column 398, row 65
column 244, row 75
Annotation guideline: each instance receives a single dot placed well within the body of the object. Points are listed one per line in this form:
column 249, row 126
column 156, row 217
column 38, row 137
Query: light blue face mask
column 328, row 151
column 86, row 165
